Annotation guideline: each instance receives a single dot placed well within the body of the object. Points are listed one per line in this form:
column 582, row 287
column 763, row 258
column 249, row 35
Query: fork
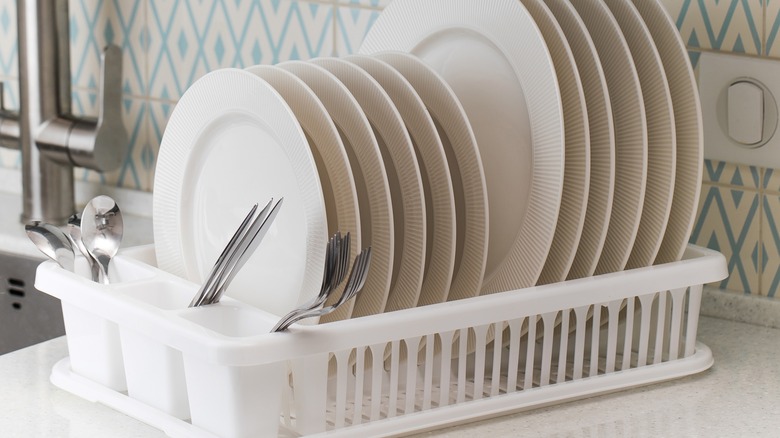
column 356, row 281
column 336, row 264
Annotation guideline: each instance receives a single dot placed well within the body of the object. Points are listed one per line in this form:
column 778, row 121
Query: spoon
column 74, row 231
column 53, row 242
column 101, row 232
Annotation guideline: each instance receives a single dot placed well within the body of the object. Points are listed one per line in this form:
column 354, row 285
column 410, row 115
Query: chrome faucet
column 51, row 139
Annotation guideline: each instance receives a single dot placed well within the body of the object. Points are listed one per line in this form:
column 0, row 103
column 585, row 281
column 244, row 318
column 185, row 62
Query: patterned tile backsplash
column 168, row 44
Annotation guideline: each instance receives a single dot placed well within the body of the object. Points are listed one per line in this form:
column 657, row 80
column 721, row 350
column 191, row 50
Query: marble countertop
column 736, row 397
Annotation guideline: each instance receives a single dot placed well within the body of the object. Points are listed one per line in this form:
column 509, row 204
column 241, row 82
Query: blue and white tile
column 128, row 18
column 725, row 25
column 189, row 39
column 772, row 29
column 367, row 3
column 130, row 174
column 770, row 180
column 770, row 246
column 9, row 59
column 97, row 23
column 731, row 174
column 352, row 27
column 291, row 30
column 9, row 64
column 729, row 221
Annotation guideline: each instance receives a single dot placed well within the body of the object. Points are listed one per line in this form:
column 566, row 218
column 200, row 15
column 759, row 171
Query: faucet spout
column 51, row 139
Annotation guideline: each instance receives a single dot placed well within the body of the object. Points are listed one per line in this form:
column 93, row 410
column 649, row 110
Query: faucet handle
column 102, row 145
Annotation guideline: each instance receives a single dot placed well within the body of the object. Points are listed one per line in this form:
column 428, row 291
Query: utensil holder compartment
column 217, row 371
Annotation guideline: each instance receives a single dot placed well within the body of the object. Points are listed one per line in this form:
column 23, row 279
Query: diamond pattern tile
column 96, row 23
column 730, row 174
column 770, row 246
column 352, row 26
column 729, row 222
column 9, row 65
column 368, row 3
column 725, row 25
column 770, row 180
column 772, row 23
column 190, row 38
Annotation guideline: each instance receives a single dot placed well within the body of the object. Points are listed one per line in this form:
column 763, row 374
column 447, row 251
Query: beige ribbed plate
column 495, row 59
column 576, row 179
column 688, row 124
column 338, row 185
column 373, row 189
column 630, row 133
column 468, row 180
column 661, row 138
column 602, row 138
column 435, row 173
column 403, row 174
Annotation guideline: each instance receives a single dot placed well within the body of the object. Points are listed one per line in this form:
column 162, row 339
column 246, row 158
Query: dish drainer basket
column 216, row 371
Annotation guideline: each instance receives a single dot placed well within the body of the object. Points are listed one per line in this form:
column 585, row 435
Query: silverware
column 336, row 259
column 53, row 242
column 101, row 231
column 244, row 242
column 244, row 251
column 337, row 254
column 356, row 281
column 205, row 288
column 74, row 232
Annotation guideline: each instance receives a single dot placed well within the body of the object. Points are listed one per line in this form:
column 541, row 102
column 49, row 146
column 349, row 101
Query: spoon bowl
column 101, row 231
column 53, row 242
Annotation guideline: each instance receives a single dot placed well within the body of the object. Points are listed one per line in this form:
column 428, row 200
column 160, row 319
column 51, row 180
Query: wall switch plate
column 739, row 109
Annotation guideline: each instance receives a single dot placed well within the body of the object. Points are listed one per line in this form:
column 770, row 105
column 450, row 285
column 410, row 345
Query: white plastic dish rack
column 216, row 371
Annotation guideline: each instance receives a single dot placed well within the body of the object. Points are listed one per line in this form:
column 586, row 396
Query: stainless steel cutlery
column 238, row 250
column 355, row 282
column 98, row 238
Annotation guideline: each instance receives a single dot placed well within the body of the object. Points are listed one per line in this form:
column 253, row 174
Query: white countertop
column 737, row 397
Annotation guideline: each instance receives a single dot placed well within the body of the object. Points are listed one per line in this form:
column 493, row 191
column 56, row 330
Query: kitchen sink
column 27, row 315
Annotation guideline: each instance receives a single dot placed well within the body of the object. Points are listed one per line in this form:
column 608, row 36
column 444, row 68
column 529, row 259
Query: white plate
column 232, row 141
column 661, row 138
column 403, row 174
column 628, row 111
column 338, row 184
column 494, row 58
column 576, row 179
column 688, row 124
column 468, row 179
column 602, row 139
column 373, row 189
column 435, row 174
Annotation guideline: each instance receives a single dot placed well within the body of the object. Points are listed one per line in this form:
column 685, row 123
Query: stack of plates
column 477, row 147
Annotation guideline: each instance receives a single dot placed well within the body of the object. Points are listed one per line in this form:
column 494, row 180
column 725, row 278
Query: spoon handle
column 95, row 269
column 101, row 262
